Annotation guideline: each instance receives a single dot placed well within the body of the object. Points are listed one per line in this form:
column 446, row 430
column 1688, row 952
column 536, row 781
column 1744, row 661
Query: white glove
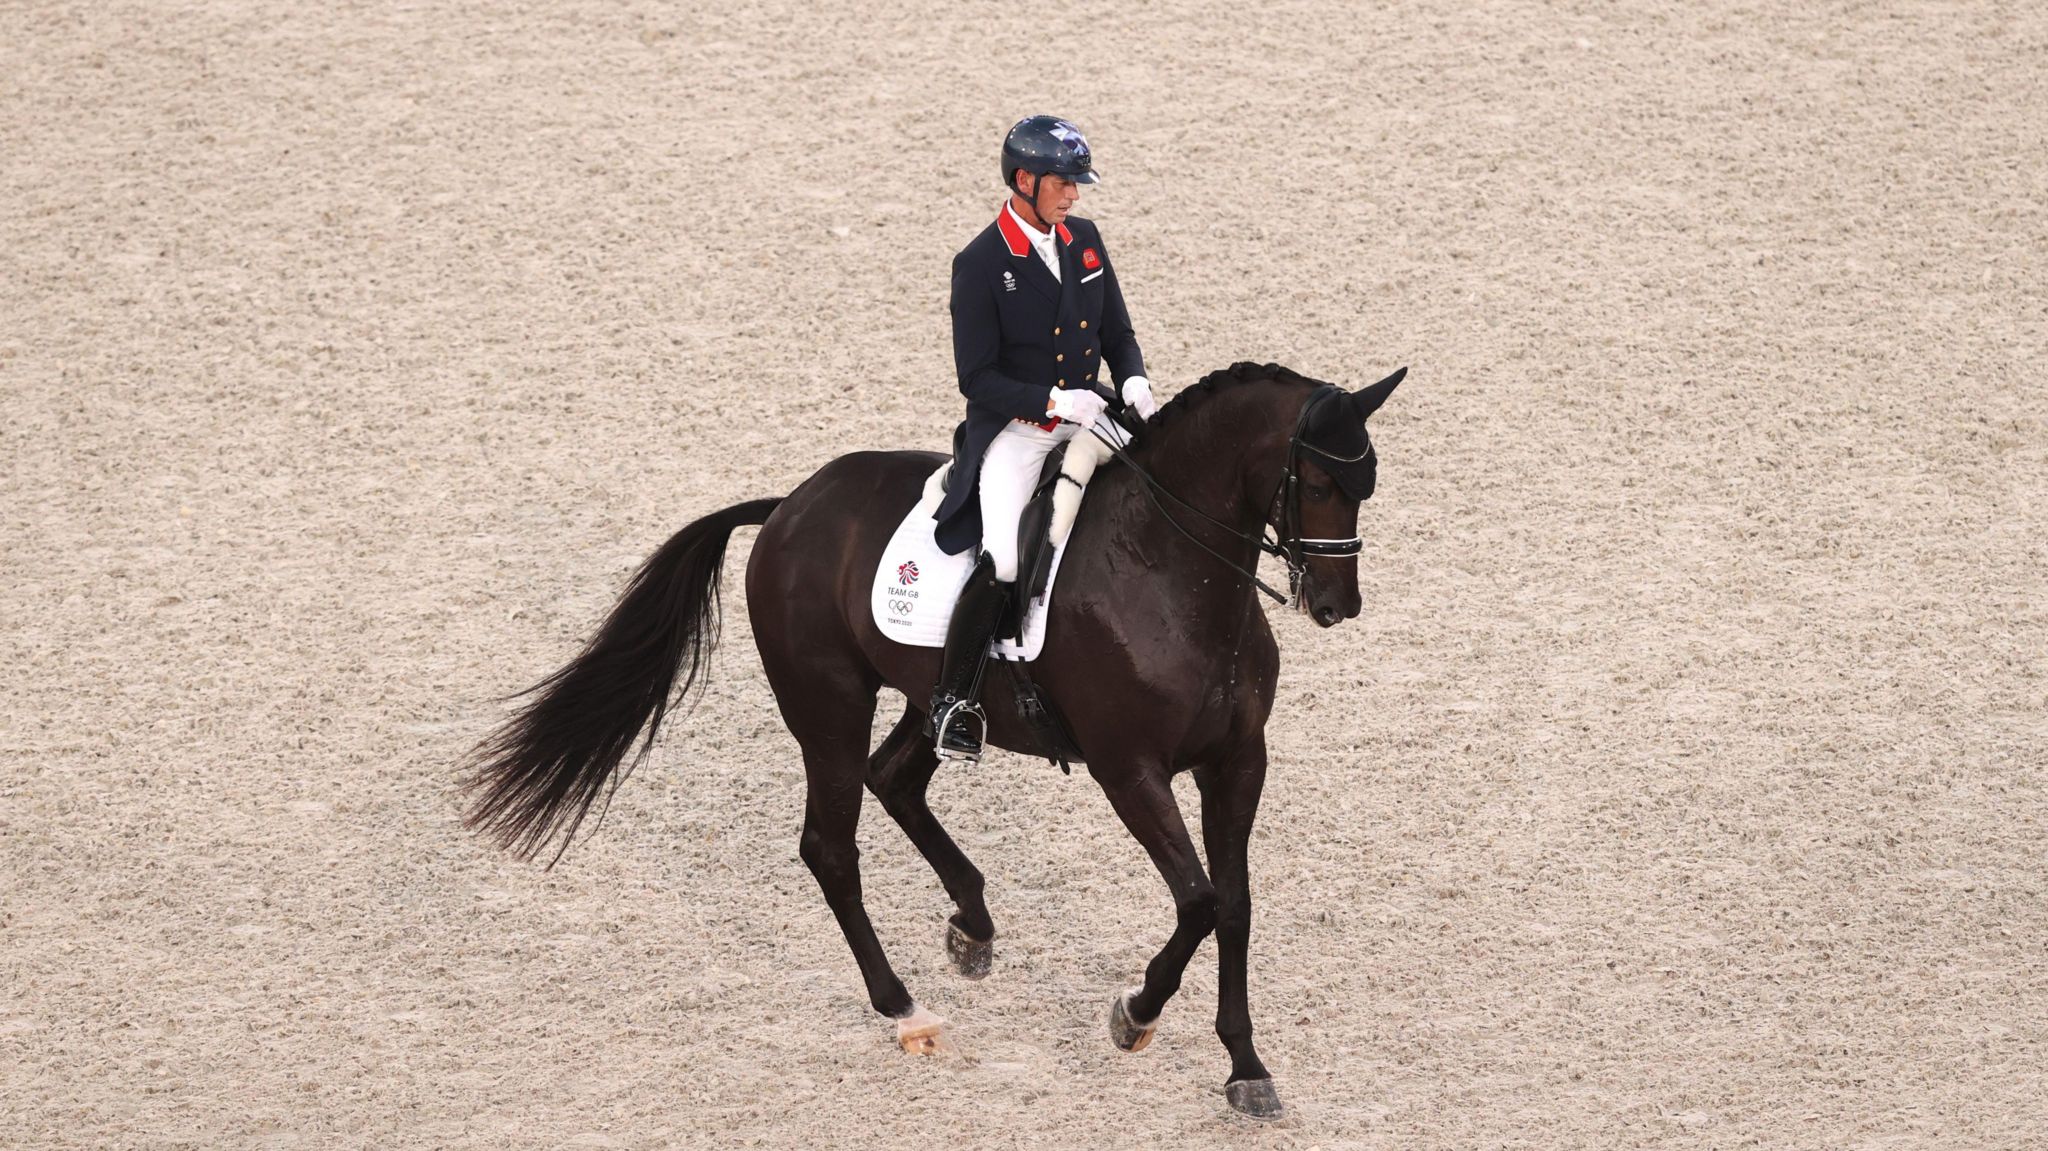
column 1137, row 392
column 1079, row 405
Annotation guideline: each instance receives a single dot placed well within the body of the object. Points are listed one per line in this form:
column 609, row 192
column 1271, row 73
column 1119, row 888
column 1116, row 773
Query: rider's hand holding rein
column 1137, row 393
column 1079, row 406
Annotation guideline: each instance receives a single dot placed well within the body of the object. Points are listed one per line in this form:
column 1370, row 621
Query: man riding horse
column 1037, row 318
column 1156, row 654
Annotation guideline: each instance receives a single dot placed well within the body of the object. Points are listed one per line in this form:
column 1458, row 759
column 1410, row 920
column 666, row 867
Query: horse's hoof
column 971, row 957
column 1126, row 1032
column 1255, row 1098
column 921, row 1032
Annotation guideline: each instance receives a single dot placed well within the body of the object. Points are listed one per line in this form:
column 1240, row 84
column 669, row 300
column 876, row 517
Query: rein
column 1290, row 549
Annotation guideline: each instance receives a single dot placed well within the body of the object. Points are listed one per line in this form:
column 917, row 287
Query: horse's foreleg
column 1230, row 800
column 1145, row 803
column 898, row 773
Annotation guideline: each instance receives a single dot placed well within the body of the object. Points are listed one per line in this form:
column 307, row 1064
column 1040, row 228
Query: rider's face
column 1056, row 195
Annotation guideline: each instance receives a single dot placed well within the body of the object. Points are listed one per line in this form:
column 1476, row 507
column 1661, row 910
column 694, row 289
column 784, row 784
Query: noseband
column 1290, row 546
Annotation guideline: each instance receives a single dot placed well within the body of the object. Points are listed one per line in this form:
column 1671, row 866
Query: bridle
column 1287, row 544
column 1289, row 496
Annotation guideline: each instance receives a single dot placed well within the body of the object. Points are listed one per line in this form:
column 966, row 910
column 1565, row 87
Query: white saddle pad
column 916, row 584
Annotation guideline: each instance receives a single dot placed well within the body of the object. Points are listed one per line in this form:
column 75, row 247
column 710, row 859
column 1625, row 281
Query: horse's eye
column 1316, row 493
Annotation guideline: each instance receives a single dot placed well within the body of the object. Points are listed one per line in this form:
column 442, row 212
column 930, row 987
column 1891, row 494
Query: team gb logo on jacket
column 906, row 574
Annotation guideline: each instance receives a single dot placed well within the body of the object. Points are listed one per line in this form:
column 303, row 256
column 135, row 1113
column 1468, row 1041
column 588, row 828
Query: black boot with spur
column 956, row 716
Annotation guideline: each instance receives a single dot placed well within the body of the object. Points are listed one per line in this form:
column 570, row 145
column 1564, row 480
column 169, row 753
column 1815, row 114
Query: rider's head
column 1045, row 160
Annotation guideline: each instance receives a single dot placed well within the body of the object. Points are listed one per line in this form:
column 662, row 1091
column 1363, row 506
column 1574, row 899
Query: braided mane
column 1242, row 372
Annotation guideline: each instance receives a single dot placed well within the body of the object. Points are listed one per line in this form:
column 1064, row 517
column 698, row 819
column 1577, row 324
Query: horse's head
column 1289, row 456
column 1333, row 470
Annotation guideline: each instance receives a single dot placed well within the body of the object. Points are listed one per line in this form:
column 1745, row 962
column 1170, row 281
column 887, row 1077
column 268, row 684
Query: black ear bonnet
column 1333, row 434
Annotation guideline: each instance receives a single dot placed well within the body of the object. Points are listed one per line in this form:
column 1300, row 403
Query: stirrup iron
column 952, row 736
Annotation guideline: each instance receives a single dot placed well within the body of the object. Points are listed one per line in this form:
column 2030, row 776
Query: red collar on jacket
column 1014, row 232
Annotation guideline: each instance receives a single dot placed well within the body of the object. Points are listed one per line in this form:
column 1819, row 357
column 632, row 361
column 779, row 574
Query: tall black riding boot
column 957, row 721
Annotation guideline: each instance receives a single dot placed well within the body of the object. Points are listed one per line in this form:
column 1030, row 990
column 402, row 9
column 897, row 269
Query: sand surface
column 1682, row 785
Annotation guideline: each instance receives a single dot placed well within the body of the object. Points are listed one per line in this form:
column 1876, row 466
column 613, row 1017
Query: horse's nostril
column 1326, row 616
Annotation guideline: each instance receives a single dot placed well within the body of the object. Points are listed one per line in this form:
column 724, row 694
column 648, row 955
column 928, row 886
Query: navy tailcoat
column 1018, row 333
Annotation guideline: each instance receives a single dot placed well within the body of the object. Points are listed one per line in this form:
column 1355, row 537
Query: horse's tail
column 536, row 777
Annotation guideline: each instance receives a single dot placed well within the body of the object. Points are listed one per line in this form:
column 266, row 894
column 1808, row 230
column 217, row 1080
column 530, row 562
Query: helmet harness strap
column 1037, row 189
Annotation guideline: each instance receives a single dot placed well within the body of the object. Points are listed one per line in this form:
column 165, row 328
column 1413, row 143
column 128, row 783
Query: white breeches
column 1008, row 473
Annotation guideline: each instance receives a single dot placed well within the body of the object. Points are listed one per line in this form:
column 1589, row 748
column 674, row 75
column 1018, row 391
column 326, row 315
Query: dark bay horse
column 1155, row 653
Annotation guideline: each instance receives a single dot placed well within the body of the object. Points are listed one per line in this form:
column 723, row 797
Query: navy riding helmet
column 1047, row 144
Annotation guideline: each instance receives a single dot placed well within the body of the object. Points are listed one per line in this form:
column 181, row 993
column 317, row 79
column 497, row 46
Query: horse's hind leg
column 832, row 728
column 898, row 773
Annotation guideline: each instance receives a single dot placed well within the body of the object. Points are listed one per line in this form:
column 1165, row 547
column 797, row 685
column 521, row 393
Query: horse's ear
column 1365, row 401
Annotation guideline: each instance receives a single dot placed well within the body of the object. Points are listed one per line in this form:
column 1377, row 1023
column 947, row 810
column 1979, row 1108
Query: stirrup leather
column 954, row 738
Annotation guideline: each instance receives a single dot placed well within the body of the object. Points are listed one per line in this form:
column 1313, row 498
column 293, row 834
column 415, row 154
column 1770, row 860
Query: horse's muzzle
column 1331, row 608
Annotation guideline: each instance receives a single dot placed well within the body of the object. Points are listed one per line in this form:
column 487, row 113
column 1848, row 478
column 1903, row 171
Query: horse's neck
column 1203, row 455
